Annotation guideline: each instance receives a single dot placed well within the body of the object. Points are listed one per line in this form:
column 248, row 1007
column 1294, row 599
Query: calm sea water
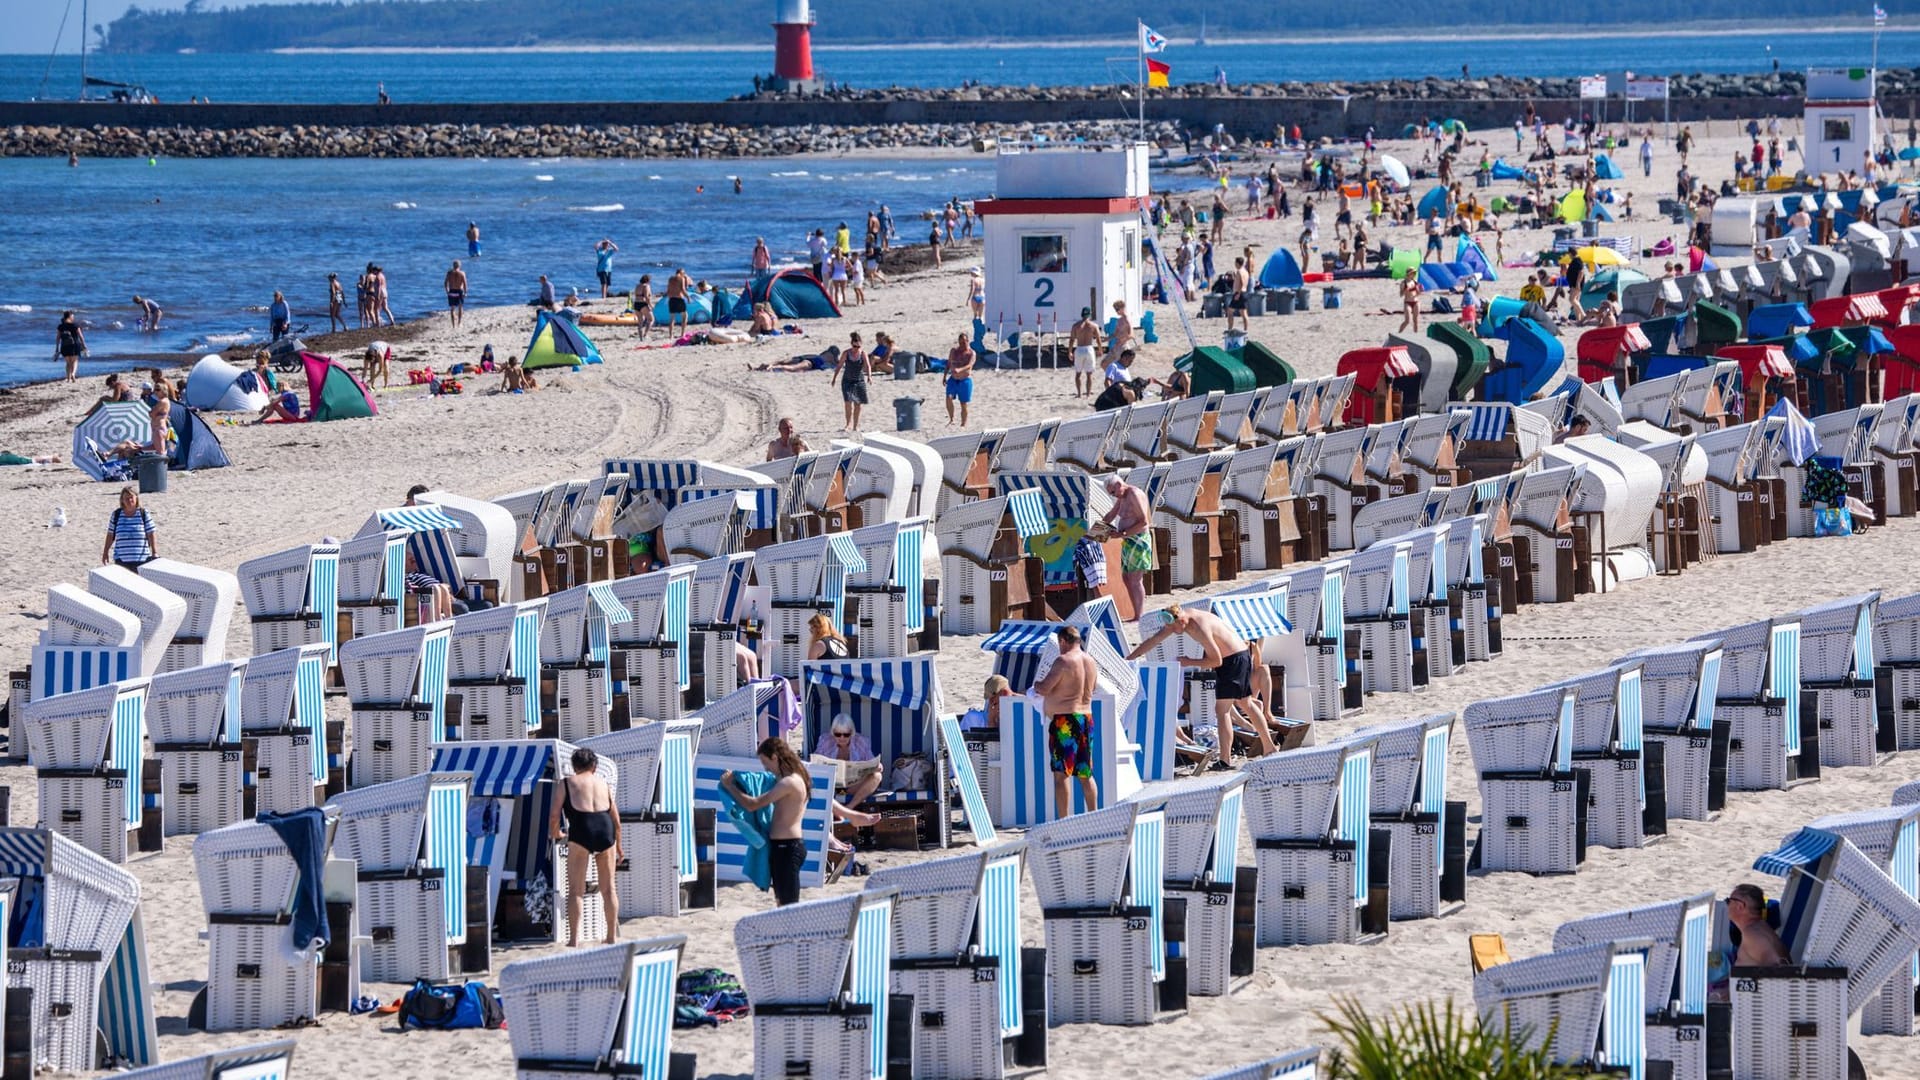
column 708, row 75
column 211, row 240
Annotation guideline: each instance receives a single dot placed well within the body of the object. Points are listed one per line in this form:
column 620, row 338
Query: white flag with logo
column 1151, row 42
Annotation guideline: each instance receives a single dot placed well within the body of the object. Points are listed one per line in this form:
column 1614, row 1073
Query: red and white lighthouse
column 793, row 43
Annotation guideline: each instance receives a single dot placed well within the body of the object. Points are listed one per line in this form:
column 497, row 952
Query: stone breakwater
column 1892, row 82
column 544, row 140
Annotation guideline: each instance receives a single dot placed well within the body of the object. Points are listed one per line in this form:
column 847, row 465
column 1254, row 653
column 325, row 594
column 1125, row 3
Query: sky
column 30, row 25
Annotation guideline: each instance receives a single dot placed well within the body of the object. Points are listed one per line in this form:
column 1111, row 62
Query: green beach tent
column 333, row 392
column 1215, row 369
column 557, row 343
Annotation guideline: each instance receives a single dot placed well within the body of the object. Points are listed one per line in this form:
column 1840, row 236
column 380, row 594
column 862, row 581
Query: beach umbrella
column 1596, row 257
column 105, row 428
column 1698, row 260
column 1395, row 170
column 1910, row 153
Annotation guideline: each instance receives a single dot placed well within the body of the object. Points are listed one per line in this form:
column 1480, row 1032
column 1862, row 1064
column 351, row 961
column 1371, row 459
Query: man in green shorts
column 1066, row 698
column 1129, row 519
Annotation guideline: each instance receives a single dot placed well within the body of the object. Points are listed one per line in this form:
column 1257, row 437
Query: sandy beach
column 292, row 484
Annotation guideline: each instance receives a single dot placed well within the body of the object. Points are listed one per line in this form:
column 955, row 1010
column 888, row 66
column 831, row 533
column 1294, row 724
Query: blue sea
column 704, row 75
column 211, row 240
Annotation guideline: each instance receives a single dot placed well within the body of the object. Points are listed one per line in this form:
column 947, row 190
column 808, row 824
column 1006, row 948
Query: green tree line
column 500, row 23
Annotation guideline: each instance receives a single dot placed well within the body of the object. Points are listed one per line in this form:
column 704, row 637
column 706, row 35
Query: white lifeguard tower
column 1063, row 233
column 1840, row 116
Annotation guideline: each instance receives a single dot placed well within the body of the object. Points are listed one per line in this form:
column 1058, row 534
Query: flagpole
column 1140, row 74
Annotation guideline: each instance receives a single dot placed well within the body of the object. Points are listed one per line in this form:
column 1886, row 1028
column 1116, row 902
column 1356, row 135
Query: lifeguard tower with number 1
column 1840, row 115
column 1063, row 233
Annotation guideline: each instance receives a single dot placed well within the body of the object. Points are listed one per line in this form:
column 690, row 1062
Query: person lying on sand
column 819, row 362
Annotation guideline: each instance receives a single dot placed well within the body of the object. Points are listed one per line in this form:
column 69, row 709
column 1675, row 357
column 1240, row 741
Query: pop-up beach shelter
column 699, row 311
column 1435, row 204
column 1281, row 271
column 557, row 343
column 195, row 446
column 1604, row 168
column 218, row 386
column 333, row 392
column 794, row 294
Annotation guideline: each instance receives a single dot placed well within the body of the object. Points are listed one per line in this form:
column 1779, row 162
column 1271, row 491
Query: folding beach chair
column 885, row 603
column 1379, row 617
column 1534, row 803
column 1298, row 1065
column 1609, row 746
column 985, row 572
column 1837, row 674
column 657, row 831
column 290, row 749
column 1426, row 833
column 1890, row 838
column 257, row 1061
column 1680, row 935
column 1584, row 1005
column 258, row 976
column 1203, row 874
column 957, row 956
column 408, row 840
column 157, row 609
column 397, row 682
column 293, row 598
column 493, row 669
column 209, row 595
column 606, row 1009
column 1678, row 684
column 77, row 940
column 576, row 653
column 1771, row 743
column 1309, row 811
column 193, row 720
column 655, row 643
column 1081, row 443
column 819, row 977
column 87, row 750
column 1099, row 876
column 1848, row 928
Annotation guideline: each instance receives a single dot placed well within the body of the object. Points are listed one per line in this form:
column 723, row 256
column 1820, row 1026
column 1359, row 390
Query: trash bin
column 1330, row 296
column 1283, row 301
column 1590, row 228
column 1256, row 302
column 906, row 365
column 1235, row 339
column 1302, row 299
column 1213, row 306
column 1563, row 232
column 906, row 413
column 152, row 472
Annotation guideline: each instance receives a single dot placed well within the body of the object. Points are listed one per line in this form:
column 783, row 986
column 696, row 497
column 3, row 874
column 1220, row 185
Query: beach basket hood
column 333, row 392
column 557, row 343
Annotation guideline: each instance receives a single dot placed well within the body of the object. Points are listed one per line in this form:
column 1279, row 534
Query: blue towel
column 305, row 834
column 755, row 826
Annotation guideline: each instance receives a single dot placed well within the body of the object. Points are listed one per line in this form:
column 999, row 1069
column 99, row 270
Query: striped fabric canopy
column 609, row 605
column 500, row 769
column 1029, row 514
column 910, row 684
column 413, row 519
column 23, row 852
column 1802, row 850
column 847, row 552
column 1488, row 422
column 1252, row 616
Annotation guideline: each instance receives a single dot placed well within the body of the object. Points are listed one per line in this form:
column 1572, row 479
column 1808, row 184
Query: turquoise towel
column 754, row 825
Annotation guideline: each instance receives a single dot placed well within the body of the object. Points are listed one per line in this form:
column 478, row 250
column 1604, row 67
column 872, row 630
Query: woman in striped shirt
column 129, row 533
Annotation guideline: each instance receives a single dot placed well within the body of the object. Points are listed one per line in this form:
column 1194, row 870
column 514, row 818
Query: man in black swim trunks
column 1224, row 652
column 1237, row 302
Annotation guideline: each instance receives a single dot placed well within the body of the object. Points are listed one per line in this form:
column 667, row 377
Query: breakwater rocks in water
column 1893, row 82
column 544, row 140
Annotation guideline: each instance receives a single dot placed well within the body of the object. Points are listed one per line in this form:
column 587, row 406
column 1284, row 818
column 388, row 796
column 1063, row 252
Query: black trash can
column 1282, row 301
column 151, row 469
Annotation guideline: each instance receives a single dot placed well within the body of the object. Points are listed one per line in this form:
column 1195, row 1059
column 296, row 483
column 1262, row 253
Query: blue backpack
column 447, row 1008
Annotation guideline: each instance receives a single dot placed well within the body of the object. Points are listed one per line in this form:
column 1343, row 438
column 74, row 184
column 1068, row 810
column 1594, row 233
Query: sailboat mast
column 83, row 49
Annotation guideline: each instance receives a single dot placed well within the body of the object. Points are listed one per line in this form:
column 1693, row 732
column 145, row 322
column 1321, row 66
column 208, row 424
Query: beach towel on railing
column 305, row 834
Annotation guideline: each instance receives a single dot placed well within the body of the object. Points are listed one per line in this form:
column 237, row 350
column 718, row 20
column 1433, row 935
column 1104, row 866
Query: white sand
column 294, row 484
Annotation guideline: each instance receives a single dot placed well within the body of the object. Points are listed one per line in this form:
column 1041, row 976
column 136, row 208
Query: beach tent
column 1467, row 253
column 105, row 428
column 195, row 446
column 1453, row 126
column 1573, row 207
column 1605, row 169
column 793, row 292
column 1400, row 261
column 1608, row 279
column 1435, row 204
column 558, row 343
column 333, row 392
column 1504, row 171
column 699, row 311
column 218, row 386
column 1281, row 271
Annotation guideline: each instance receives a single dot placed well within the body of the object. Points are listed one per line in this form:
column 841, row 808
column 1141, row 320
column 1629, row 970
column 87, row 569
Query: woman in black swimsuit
column 592, row 832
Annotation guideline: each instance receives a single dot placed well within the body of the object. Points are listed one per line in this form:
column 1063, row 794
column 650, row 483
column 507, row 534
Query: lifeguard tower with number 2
column 1063, row 233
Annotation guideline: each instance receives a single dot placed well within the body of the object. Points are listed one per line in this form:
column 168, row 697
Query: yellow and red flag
column 1158, row 74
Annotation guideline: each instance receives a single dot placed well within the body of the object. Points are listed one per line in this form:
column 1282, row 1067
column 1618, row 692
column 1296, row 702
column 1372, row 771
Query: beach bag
column 1832, row 521
column 912, row 772
column 449, row 1008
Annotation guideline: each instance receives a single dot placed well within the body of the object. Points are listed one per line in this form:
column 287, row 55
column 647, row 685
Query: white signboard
column 1646, row 89
column 1593, row 86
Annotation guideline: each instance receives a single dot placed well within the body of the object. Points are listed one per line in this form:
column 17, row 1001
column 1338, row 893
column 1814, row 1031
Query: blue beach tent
column 1281, row 271
column 1604, row 168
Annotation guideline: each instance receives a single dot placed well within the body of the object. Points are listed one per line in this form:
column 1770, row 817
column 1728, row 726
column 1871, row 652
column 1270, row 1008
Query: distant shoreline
column 1338, row 37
